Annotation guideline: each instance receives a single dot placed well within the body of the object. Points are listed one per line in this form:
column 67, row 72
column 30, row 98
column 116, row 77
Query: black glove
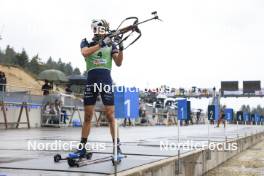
column 105, row 42
column 121, row 46
column 118, row 40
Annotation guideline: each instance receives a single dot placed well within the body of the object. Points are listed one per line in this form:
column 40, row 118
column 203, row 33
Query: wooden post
column 24, row 105
column 73, row 112
column 70, row 122
column 20, row 114
column 4, row 112
column 26, row 108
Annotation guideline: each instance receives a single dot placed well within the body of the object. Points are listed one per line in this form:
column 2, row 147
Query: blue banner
column 182, row 109
column 257, row 118
column 126, row 102
column 246, row 117
column 213, row 112
column 217, row 112
column 240, row 116
column 229, row 114
column 262, row 118
column 252, row 118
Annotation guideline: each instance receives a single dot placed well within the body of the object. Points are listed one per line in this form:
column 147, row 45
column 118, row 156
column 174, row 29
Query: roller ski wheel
column 72, row 162
column 89, row 155
column 57, row 158
column 116, row 162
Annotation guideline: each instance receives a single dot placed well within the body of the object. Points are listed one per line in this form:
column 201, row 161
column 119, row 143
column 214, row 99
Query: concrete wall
column 196, row 163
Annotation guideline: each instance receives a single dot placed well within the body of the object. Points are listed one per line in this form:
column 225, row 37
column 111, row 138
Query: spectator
column 4, row 82
column 52, row 109
column 68, row 89
column 214, row 92
column 58, row 107
column 142, row 110
column 198, row 116
column 64, row 116
column 46, row 88
column 222, row 117
column 46, row 108
column 194, row 89
column 1, row 81
column 182, row 91
column 53, row 113
column 129, row 122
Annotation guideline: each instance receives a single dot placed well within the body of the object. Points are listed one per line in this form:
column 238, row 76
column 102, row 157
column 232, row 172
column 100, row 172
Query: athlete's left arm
column 117, row 55
column 118, row 58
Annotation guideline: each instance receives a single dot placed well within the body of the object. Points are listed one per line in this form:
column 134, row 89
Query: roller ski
column 84, row 162
column 79, row 154
column 79, row 162
column 119, row 157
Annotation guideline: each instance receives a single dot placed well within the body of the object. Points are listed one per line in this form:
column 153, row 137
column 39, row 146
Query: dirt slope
column 19, row 80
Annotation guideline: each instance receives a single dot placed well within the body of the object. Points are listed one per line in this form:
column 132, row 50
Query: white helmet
column 100, row 26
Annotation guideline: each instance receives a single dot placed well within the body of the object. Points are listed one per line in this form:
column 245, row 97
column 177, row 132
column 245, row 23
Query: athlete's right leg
column 88, row 115
column 90, row 96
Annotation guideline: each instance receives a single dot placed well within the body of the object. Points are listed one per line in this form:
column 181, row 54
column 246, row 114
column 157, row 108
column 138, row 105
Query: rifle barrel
column 128, row 28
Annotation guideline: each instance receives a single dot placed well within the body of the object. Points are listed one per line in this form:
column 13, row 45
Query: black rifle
column 118, row 34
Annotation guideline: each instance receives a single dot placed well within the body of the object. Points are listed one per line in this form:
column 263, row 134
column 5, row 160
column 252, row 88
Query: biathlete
column 98, row 54
column 222, row 117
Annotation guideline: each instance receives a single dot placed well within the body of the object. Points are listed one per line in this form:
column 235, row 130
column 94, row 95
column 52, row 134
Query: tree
column 10, row 55
column 50, row 64
column 248, row 108
column 255, row 110
column 85, row 73
column 245, row 108
column 22, row 59
column 1, row 56
column 61, row 65
column 258, row 110
column 34, row 65
column 68, row 70
column 76, row 71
